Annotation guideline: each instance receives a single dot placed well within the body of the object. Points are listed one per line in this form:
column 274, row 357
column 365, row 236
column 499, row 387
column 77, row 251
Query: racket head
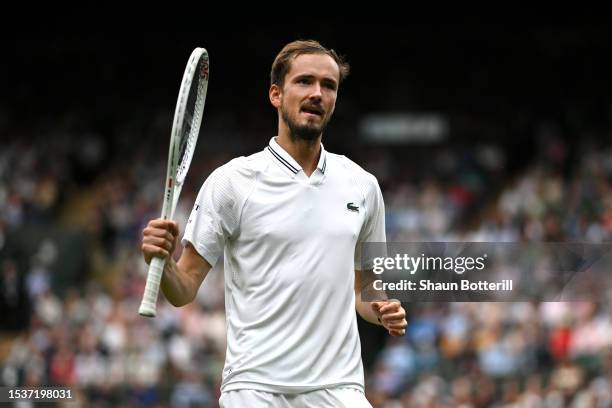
column 189, row 109
column 186, row 125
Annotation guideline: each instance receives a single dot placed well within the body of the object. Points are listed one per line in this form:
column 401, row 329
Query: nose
column 315, row 93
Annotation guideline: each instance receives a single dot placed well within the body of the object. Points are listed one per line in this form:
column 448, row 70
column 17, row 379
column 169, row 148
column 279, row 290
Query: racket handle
column 148, row 306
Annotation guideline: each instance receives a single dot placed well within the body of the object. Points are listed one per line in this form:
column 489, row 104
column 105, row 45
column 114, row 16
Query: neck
column 305, row 152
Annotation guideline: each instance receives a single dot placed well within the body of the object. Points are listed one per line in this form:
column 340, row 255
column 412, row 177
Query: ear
column 275, row 95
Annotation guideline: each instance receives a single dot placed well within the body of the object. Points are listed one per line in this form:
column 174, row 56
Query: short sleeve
column 373, row 229
column 215, row 215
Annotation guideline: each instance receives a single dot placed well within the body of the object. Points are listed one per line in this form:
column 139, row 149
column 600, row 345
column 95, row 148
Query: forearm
column 178, row 287
column 363, row 283
column 365, row 310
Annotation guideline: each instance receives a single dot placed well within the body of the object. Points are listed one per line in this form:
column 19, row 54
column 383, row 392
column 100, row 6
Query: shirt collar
column 288, row 163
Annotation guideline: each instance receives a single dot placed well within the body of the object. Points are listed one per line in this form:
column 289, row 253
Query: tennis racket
column 185, row 130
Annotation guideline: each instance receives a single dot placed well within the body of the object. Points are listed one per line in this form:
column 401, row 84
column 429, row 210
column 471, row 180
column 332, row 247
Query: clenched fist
column 392, row 316
column 159, row 239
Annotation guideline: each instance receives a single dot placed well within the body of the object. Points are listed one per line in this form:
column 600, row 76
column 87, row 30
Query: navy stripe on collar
column 283, row 161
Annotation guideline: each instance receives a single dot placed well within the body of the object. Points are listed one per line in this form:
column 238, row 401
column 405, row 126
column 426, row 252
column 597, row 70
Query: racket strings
column 193, row 117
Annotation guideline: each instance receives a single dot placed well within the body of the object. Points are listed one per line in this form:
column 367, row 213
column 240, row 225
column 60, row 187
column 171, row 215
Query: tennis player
column 288, row 220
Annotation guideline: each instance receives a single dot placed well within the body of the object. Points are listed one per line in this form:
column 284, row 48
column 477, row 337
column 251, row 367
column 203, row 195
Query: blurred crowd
column 88, row 335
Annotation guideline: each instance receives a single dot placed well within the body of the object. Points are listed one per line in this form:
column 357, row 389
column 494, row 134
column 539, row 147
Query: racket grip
column 148, row 306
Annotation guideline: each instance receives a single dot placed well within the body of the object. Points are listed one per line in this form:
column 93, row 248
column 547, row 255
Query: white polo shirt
column 289, row 244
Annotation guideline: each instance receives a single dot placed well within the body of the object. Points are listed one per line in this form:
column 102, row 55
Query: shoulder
column 240, row 169
column 363, row 178
column 233, row 180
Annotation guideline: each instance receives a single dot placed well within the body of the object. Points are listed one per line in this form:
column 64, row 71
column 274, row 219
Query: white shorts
column 326, row 398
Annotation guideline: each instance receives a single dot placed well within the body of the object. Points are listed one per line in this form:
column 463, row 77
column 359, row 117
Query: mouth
column 312, row 111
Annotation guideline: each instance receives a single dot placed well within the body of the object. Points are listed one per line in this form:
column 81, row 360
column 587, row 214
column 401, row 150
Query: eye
column 330, row 85
column 303, row 81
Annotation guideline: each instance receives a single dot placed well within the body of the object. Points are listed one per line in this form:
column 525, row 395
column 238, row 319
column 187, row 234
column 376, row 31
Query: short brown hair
column 282, row 62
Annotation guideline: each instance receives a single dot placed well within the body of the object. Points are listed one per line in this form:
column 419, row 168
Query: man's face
column 308, row 96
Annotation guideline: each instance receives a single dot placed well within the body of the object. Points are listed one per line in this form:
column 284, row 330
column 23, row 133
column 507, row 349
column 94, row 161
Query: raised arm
column 181, row 280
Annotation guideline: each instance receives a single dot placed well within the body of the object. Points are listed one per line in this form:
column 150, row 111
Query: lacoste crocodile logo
column 352, row 207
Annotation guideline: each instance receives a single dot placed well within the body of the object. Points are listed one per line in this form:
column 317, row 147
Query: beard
column 308, row 131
